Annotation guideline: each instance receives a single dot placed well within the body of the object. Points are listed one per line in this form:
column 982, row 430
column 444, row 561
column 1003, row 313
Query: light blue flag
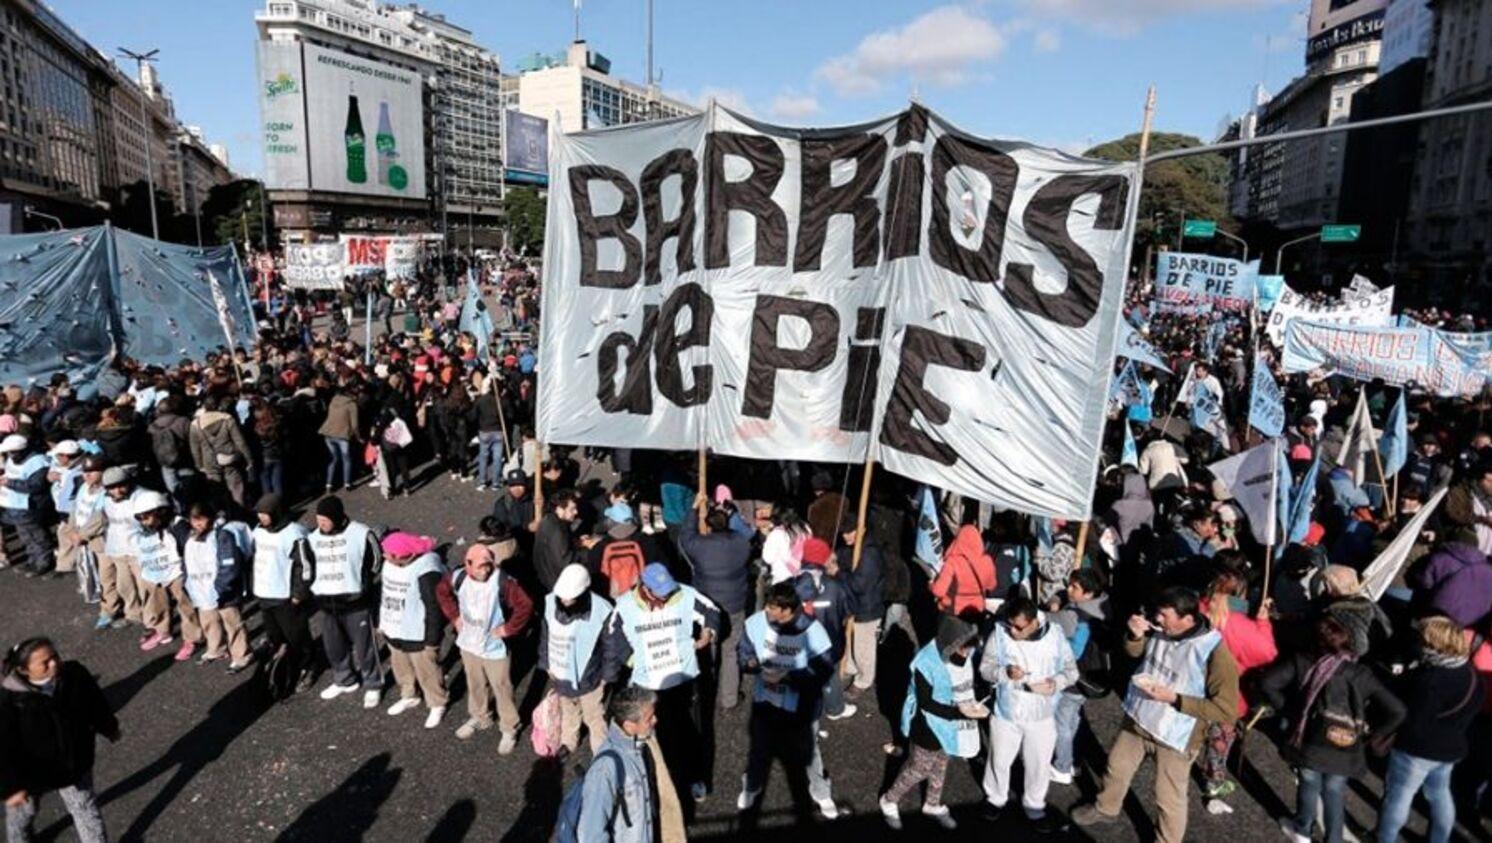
column 1268, row 288
column 1041, row 528
column 1302, row 502
column 1215, row 334
column 1207, row 412
column 1394, row 443
column 929, row 548
column 1135, row 347
column 1125, row 390
column 1131, row 454
column 474, row 316
column 1267, row 404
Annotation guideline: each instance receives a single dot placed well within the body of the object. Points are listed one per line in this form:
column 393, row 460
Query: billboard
column 282, row 114
column 526, row 143
column 365, row 126
column 1338, row 23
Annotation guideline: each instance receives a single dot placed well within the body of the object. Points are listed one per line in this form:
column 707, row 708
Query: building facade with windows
column 585, row 95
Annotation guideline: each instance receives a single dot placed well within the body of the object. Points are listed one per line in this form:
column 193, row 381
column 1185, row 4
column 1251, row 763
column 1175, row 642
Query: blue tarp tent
column 68, row 299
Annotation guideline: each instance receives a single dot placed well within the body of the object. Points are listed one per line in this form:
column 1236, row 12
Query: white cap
column 573, row 582
column 12, row 443
column 148, row 501
column 66, row 448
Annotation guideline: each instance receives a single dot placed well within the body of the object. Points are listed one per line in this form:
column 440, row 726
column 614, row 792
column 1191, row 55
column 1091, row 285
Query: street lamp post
column 140, row 60
column 1239, row 240
column 1279, row 257
column 32, row 212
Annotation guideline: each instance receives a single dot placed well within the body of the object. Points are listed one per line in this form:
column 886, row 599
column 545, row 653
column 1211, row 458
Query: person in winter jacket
column 487, row 607
column 721, row 560
column 492, row 446
column 867, row 582
column 1456, row 580
column 1442, row 697
column 1469, row 504
column 344, row 559
column 555, row 544
column 340, row 427
column 1132, row 516
column 571, row 653
column 412, row 624
column 1344, row 601
column 158, row 564
column 281, row 581
column 940, row 719
column 620, row 797
column 1029, row 662
column 967, row 578
column 219, row 449
column 1250, row 639
column 170, row 442
column 214, row 558
column 1334, row 705
column 25, row 503
column 788, row 653
column 1163, row 463
column 50, row 714
column 826, row 597
column 1085, row 619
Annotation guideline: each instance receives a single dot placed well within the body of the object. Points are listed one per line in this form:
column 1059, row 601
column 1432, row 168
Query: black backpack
column 1096, row 667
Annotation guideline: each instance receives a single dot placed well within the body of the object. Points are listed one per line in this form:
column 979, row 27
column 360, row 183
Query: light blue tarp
column 68, row 299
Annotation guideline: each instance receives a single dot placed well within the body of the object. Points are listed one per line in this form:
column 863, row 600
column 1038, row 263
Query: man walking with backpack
column 615, row 801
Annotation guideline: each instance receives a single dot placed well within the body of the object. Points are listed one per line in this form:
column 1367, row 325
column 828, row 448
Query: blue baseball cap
column 658, row 580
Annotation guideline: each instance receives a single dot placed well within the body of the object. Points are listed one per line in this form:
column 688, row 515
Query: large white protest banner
column 1398, row 356
column 713, row 281
column 1370, row 309
column 1188, row 283
column 397, row 256
column 313, row 266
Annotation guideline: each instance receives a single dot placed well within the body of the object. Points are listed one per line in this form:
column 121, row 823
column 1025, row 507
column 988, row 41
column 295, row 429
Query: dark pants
column 788, row 738
column 679, row 734
column 351, row 649
column 36, row 542
column 285, row 625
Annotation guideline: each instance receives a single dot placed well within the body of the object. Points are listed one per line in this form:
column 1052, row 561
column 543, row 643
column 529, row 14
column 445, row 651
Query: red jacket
column 1251, row 643
column 518, row 609
column 968, row 574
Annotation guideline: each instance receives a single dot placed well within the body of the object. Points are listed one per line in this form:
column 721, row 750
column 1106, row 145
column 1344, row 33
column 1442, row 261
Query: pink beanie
column 407, row 544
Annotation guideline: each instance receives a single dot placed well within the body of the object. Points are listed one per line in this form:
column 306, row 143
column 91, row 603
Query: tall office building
column 579, row 87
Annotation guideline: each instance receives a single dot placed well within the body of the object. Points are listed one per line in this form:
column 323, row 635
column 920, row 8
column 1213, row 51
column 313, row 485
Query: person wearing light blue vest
column 24, row 501
column 410, row 619
column 281, row 581
column 487, row 607
column 790, row 654
column 657, row 630
column 1029, row 662
column 570, row 652
column 68, row 486
column 345, row 556
column 940, row 719
column 1185, row 681
column 158, row 552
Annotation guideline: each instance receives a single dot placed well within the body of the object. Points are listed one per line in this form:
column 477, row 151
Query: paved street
column 200, row 758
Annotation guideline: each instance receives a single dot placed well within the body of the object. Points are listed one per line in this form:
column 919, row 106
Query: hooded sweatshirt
column 968, row 574
column 1134, row 509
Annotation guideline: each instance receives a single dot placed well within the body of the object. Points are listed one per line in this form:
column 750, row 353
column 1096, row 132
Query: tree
column 232, row 208
column 1195, row 187
column 524, row 212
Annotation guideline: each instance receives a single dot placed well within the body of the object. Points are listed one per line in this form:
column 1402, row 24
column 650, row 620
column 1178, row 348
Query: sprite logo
column 282, row 84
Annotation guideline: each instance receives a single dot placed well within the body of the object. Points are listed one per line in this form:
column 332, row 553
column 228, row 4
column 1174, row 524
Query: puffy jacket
column 967, row 576
column 1353, row 695
column 47, row 740
column 215, row 434
column 341, row 420
column 721, row 563
column 170, row 440
column 867, row 581
column 1458, row 579
column 1249, row 639
column 829, row 601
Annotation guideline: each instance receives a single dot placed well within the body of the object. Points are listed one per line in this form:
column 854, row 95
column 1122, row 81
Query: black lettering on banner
column 670, row 344
column 1046, row 223
column 856, row 197
column 767, row 357
column 591, row 229
column 636, row 394
column 921, row 348
column 752, row 195
column 982, row 264
column 911, row 125
column 904, row 206
column 857, row 404
column 681, row 163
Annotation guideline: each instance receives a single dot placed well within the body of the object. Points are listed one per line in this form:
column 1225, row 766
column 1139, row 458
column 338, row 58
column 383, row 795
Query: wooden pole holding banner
column 1082, row 544
column 870, row 469
column 538, row 481
column 704, row 495
column 1388, row 501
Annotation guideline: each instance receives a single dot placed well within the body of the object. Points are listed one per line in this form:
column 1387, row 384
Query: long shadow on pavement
column 541, row 800
column 349, row 811
column 455, row 822
column 121, row 691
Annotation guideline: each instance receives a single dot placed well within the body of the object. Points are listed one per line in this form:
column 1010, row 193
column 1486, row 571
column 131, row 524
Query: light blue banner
column 1267, row 402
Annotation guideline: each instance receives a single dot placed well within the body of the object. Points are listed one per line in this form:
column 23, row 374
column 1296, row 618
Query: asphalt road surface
column 202, row 759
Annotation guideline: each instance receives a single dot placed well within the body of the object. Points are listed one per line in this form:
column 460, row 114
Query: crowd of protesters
column 171, row 493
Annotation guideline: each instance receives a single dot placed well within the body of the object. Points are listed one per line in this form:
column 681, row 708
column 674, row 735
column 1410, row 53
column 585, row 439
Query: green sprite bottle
column 357, row 145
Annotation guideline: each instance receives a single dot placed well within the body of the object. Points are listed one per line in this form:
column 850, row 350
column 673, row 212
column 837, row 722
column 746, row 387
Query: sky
column 1063, row 73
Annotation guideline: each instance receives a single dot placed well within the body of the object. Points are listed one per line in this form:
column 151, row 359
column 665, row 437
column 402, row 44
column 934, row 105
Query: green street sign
column 1201, row 229
column 1340, row 233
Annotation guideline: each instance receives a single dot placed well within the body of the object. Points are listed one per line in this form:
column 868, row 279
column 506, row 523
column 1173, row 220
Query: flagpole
column 704, row 505
column 870, row 467
column 538, row 481
column 1274, row 526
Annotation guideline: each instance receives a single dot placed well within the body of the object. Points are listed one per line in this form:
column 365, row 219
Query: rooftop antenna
column 577, row 20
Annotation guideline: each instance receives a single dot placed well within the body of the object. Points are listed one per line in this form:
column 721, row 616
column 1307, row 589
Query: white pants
column 1034, row 741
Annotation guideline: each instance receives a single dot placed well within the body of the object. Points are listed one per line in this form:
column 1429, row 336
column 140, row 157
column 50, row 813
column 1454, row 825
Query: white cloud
column 793, row 106
column 1129, row 17
column 941, row 47
column 1047, row 41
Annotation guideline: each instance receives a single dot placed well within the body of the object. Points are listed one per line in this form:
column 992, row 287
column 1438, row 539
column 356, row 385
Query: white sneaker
column 746, row 798
column 469, row 729
column 403, row 705
column 941, row 816
column 1058, row 777
column 372, row 697
column 1287, row 825
column 334, row 690
column 891, row 813
column 849, row 711
column 436, row 714
column 508, row 743
column 827, row 809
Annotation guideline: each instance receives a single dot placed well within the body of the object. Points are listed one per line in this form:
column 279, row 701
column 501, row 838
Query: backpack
column 622, row 562
column 545, row 726
column 1096, row 667
column 567, row 825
